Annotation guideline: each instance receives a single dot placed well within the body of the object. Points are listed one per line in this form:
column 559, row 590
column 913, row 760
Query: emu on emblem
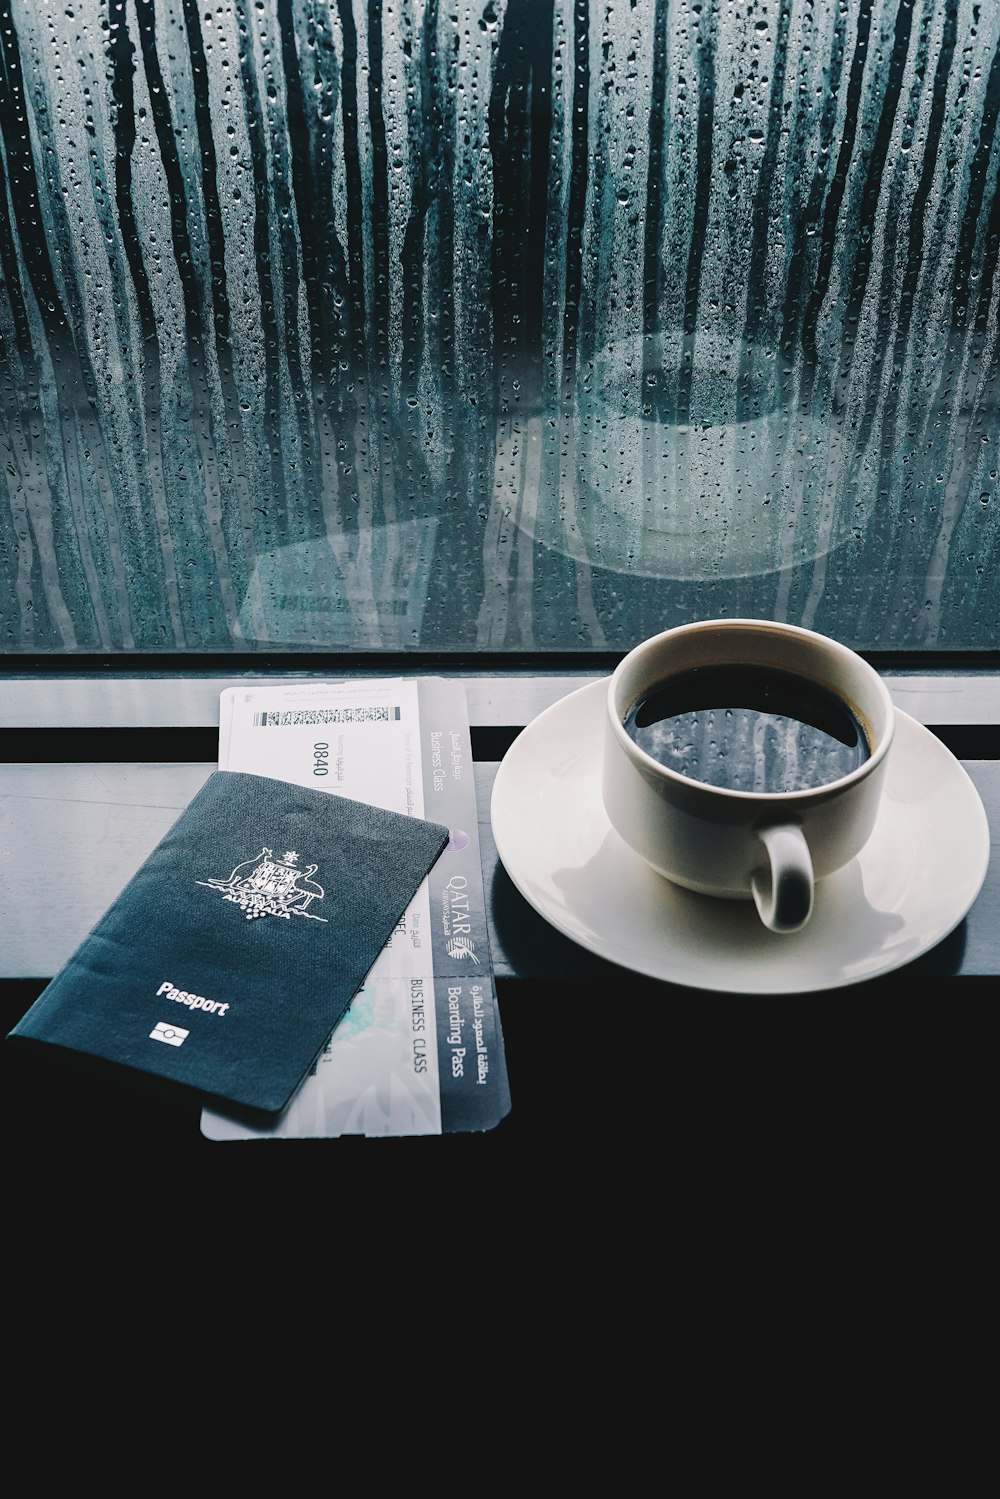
column 269, row 886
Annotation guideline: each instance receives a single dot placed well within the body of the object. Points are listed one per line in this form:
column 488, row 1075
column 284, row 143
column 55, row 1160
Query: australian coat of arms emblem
column 271, row 886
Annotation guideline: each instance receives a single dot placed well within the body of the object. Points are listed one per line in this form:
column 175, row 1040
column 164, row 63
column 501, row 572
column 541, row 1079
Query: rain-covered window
column 509, row 325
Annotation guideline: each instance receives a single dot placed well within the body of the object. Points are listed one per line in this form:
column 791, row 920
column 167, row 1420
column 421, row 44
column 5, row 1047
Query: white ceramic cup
column 771, row 846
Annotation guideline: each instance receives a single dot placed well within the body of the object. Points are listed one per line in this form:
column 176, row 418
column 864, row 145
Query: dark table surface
column 607, row 1068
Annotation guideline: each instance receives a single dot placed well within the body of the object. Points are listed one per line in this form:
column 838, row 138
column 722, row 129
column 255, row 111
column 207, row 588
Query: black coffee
column 749, row 728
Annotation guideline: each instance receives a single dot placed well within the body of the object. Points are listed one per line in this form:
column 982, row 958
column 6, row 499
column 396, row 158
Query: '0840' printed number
column 321, row 758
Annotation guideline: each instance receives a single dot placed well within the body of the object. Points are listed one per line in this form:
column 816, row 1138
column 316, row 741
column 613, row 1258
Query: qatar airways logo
column 456, row 919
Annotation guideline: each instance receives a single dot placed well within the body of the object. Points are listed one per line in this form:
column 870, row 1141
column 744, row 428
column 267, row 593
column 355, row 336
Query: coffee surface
column 747, row 728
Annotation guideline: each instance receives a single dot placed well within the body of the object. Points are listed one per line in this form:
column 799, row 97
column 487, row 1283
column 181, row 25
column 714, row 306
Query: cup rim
column 776, row 799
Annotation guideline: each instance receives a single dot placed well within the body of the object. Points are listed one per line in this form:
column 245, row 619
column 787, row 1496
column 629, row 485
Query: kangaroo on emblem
column 269, row 886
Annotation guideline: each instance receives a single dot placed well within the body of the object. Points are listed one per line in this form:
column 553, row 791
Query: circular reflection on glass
column 680, row 459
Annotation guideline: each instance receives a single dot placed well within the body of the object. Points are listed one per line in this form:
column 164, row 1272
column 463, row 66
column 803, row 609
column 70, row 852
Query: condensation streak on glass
column 518, row 325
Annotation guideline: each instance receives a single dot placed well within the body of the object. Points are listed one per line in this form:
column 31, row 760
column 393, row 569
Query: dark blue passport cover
column 230, row 956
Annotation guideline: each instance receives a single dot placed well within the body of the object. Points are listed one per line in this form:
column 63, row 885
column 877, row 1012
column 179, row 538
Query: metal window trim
column 498, row 698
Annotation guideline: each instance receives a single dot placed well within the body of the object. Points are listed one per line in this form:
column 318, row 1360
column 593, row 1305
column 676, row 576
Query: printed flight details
column 420, row 1050
column 355, row 738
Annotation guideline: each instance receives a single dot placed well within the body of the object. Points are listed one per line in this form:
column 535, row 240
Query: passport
column 227, row 961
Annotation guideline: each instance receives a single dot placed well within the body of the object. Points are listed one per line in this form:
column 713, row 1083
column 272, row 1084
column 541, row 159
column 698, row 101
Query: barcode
column 289, row 717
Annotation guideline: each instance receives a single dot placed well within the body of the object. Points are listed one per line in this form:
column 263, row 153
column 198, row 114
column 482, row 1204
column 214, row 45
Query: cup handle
column 783, row 891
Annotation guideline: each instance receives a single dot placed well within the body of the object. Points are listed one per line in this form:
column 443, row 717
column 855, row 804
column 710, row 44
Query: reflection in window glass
column 512, row 325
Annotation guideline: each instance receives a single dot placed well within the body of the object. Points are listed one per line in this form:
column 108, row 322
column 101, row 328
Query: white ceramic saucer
column 910, row 886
